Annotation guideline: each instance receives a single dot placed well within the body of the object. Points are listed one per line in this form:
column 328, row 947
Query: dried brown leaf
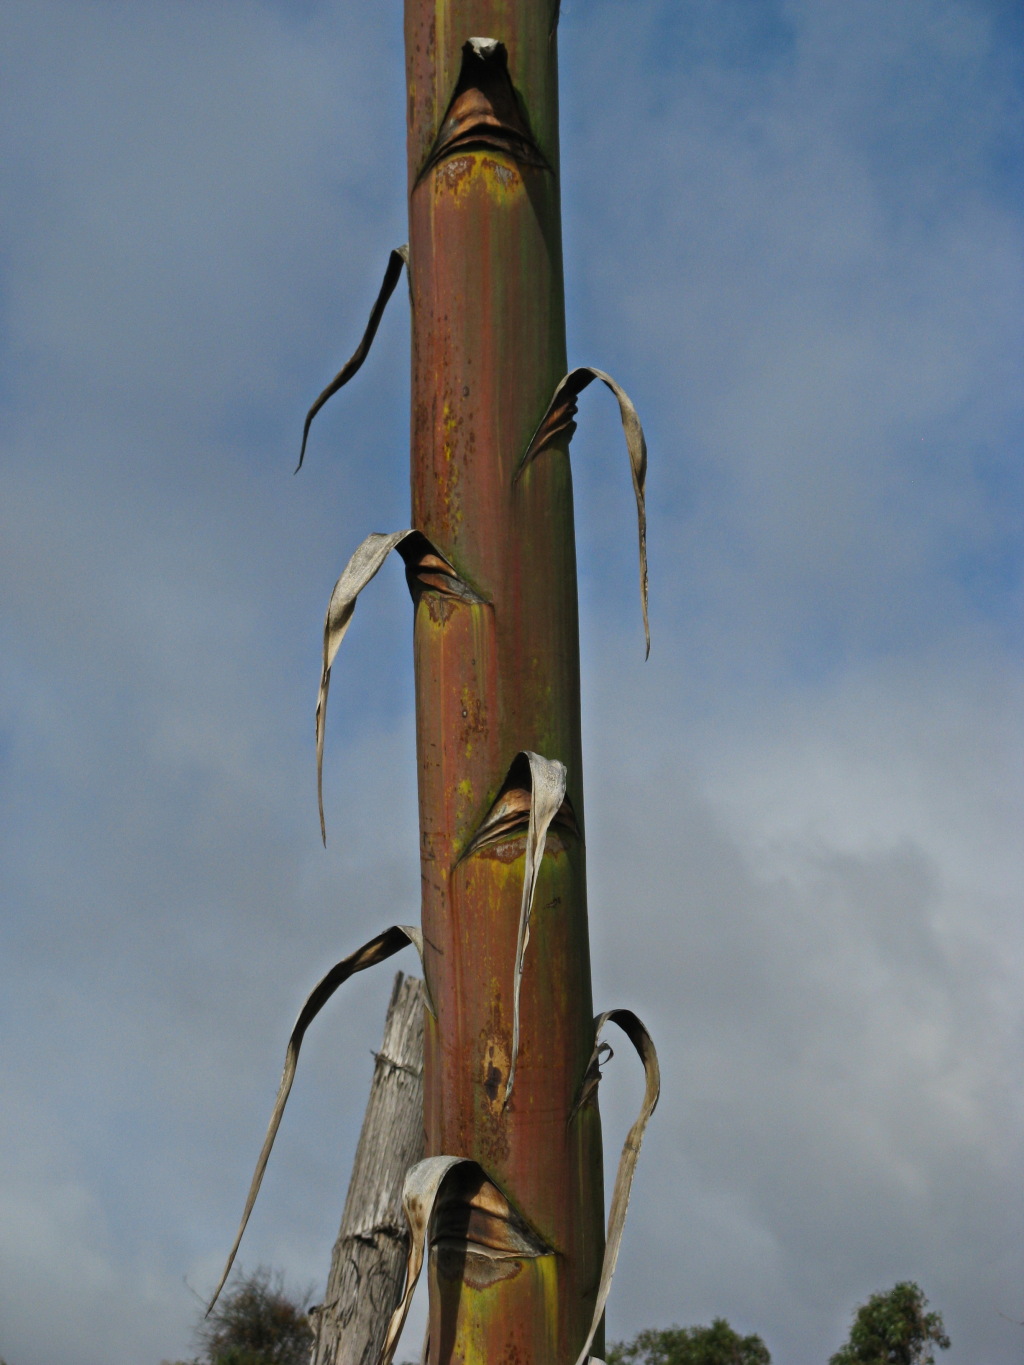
column 385, row 945
column 641, row 1040
column 398, row 258
column 509, row 815
column 450, row 1201
column 547, row 792
column 424, row 565
column 558, row 421
column 363, row 565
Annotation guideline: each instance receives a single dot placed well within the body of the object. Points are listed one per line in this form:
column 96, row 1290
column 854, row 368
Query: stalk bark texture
column 498, row 676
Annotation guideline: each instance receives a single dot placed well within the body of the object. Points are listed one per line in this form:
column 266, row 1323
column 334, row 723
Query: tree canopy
column 893, row 1328
column 714, row 1345
column 258, row 1322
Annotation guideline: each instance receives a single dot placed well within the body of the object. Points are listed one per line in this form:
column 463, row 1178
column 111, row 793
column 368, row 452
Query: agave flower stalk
column 498, row 677
column 506, row 1209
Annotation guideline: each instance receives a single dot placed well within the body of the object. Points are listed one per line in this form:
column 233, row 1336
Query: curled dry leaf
column 451, row 1204
column 398, row 258
column 385, row 945
column 547, row 792
column 509, row 816
column 422, row 1184
column 364, row 563
column 424, row 566
column 558, row 422
column 641, row 1040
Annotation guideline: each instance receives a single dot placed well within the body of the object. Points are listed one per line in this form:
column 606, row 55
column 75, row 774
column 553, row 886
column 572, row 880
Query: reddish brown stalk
column 499, row 676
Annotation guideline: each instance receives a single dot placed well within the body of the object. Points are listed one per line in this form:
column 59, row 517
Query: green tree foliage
column 894, row 1329
column 256, row 1323
column 714, row 1345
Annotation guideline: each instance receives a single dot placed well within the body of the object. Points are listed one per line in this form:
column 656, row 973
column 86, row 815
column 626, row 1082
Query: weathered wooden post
column 368, row 1261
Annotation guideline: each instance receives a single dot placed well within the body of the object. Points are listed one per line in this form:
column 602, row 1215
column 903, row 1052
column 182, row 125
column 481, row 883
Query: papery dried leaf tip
column 423, row 560
column 363, row 565
column 398, row 258
column 558, row 423
column 547, row 792
column 641, row 1040
column 378, row 949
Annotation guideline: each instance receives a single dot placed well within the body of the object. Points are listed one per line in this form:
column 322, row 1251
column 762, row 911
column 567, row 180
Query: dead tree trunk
column 368, row 1261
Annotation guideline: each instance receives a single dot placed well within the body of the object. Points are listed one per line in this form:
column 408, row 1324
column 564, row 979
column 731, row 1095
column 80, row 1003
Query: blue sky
column 793, row 232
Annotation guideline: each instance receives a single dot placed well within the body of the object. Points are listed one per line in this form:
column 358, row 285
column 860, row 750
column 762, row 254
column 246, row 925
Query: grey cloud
column 829, row 995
